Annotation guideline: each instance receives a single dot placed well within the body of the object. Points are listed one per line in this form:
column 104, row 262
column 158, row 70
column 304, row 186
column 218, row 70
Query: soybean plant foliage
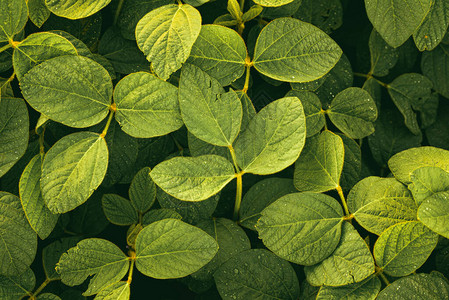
column 201, row 149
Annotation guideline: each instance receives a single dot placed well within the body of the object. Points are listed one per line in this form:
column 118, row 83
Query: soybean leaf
column 164, row 38
column 273, row 138
column 390, row 137
column 37, row 48
column 220, row 52
column 193, row 178
column 396, row 20
column 123, row 54
column 119, row 291
column 272, row 3
column 221, row 113
column 94, row 256
column 383, row 56
column 378, row 203
column 366, row 289
column 432, row 30
column 353, row 111
column 38, row 12
column 199, row 147
column 159, row 214
column 404, row 247
column 256, row 274
column 52, row 253
column 231, row 240
column 404, row 163
column 17, row 286
column 142, row 191
column 119, row 210
column 146, row 106
column 315, row 119
column 19, row 241
column 435, row 66
column 407, row 91
column 434, row 213
column 352, row 165
column 72, row 169
column 41, row 219
column 70, row 89
column 171, row 248
column 324, row 14
column 75, row 10
column 259, row 196
column 283, row 51
column 252, row 13
column 286, row 10
column 310, row 86
column 351, row 261
column 303, row 228
column 428, row 181
column 14, row 125
column 308, row 292
column 319, row 167
column 424, row 286
column 14, row 15
column 48, row 296
column 248, row 110
column 191, row 212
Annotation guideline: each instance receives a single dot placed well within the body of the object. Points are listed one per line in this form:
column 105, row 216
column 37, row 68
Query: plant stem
column 105, row 130
column 238, row 196
column 242, row 4
column 6, row 47
column 246, row 86
column 343, row 200
column 131, row 269
column 40, row 288
column 384, row 278
column 41, row 142
column 118, row 10
column 234, row 158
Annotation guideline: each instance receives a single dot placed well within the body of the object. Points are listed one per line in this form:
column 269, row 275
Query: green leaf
column 303, row 228
column 19, row 242
column 221, row 113
column 252, row 12
column 256, row 274
column 191, row 212
column 220, row 52
column 286, row 10
column 407, row 91
column 434, row 213
column 118, row 291
column 14, row 15
column 366, row 290
column 273, row 139
column 234, row 9
column 94, row 256
column 259, row 196
column 37, row 48
column 272, row 3
column 75, row 10
column 403, row 248
column 378, row 203
column 383, row 56
column 352, row 165
column 146, row 106
column 418, row 286
column 193, row 178
column 435, row 66
column 319, row 167
column 286, row 42
column 432, row 30
column 315, row 119
column 428, row 181
column 390, row 137
column 404, row 163
column 396, row 20
column 199, row 147
column 353, row 111
column 231, row 240
column 155, row 215
column 119, row 210
column 14, row 126
column 171, row 248
column 164, row 38
column 72, row 169
column 38, row 12
column 17, row 286
column 142, row 191
column 351, row 261
column 52, row 253
column 41, row 219
column 72, row 90
column 324, row 14
column 48, row 296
